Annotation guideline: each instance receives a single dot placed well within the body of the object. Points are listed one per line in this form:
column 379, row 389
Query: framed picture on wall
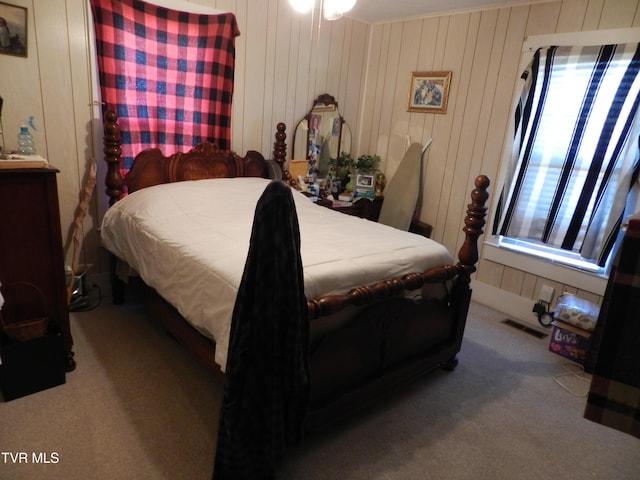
column 429, row 92
column 13, row 30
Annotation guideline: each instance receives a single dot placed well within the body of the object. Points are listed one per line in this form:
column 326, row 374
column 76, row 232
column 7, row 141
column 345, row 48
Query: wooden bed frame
column 384, row 339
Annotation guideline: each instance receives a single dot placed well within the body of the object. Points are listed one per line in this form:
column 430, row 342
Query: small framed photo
column 336, row 126
column 365, row 181
column 13, row 30
column 314, row 123
column 429, row 92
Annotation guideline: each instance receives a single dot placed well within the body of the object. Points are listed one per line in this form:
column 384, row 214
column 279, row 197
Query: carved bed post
column 468, row 257
column 114, row 183
column 474, row 224
column 113, row 156
column 280, row 147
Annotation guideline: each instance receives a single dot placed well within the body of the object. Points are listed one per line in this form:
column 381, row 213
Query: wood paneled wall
column 483, row 50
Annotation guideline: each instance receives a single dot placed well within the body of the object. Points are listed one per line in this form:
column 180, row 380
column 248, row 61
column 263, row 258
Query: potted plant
column 340, row 167
column 367, row 163
column 345, row 168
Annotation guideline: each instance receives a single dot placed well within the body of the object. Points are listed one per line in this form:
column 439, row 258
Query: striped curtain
column 575, row 152
column 168, row 74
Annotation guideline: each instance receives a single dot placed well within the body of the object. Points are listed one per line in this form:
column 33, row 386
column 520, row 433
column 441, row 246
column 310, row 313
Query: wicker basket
column 35, row 326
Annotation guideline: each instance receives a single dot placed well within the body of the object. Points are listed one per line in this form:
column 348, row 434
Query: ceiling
column 373, row 11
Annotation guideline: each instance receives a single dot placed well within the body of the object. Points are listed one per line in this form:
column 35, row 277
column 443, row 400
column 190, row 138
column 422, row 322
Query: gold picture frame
column 429, row 92
column 13, row 30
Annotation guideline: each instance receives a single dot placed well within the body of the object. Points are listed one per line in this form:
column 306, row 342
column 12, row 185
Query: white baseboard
column 514, row 306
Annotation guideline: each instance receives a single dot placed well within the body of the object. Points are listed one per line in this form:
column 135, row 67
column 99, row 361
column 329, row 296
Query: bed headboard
column 205, row 160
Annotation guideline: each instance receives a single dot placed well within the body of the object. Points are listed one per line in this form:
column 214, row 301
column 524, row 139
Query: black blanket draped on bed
column 266, row 389
column 614, row 395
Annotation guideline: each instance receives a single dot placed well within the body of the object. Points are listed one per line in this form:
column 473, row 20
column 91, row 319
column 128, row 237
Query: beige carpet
column 139, row 407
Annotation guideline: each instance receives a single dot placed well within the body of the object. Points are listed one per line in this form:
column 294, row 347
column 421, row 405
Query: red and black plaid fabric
column 168, row 74
column 614, row 395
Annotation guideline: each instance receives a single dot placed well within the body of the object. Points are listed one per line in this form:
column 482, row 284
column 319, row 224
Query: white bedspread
column 189, row 241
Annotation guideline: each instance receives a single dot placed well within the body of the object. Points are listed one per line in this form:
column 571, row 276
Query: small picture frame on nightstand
column 365, row 186
column 365, row 181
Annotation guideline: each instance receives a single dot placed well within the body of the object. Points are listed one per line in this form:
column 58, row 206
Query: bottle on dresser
column 26, row 145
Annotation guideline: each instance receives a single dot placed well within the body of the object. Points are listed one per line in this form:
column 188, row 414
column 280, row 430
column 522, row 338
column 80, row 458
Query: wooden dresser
column 31, row 242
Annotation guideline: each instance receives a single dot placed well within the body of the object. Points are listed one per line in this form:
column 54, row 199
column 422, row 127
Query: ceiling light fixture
column 302, row 6
column 331, row 9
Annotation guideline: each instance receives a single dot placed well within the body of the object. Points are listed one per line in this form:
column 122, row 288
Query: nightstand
column 363, row 208
column 421, row 228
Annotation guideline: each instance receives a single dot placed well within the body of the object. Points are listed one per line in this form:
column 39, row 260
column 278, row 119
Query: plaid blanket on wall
column 614, row 395
column 167, row 74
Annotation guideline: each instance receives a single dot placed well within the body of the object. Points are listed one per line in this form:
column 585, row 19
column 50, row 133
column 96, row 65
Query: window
column 574, row 157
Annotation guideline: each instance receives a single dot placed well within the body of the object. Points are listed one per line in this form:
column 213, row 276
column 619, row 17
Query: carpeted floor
column 139, row 407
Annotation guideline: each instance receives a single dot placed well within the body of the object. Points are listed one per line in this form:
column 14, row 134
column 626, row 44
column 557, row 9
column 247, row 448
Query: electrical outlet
column 546, row 293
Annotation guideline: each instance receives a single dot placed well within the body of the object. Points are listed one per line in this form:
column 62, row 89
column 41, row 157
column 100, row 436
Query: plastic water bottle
column 25, row 142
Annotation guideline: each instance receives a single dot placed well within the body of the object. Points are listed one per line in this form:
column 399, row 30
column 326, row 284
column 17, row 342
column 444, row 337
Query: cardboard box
column 298, row 168
column 569, row 341
column 31, row 366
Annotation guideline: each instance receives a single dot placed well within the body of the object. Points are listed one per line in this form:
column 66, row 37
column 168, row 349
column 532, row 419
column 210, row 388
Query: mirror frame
column 323, row 100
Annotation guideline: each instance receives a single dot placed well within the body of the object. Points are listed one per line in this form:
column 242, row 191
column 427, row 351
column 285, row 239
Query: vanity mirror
column 320, row 138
